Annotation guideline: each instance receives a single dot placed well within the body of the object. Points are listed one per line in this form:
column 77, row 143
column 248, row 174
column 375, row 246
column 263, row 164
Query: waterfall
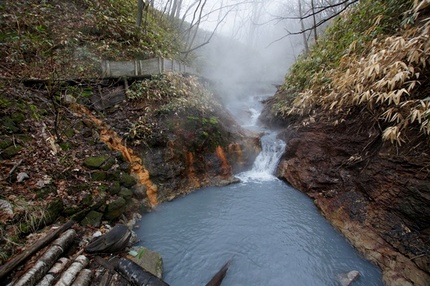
column 266, row 162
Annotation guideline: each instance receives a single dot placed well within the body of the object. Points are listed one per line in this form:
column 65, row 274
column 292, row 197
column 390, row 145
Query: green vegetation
column 375, row 58
column 173, row 97
column 69, row 38
column 352, row 32
column 173, row 93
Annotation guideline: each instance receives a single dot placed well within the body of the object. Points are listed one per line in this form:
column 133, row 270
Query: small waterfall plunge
column 266, row 162
column 273, row 234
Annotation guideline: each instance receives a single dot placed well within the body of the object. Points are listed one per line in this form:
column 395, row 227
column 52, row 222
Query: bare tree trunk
column 140, row 5
column 167, row 7
column 305, row 41
column 253, row 23
column 315, row 22
column 186, row 13
column 173, row 10
column 190, row 44
column 178, row 9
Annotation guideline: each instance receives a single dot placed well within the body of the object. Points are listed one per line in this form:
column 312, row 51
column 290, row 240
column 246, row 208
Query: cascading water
column 267, row 161
column 273, row 234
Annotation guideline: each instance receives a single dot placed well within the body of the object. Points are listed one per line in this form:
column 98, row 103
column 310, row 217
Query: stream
column 273, row 234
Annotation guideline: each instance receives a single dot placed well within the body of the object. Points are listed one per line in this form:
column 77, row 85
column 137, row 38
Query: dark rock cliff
column 376, row 193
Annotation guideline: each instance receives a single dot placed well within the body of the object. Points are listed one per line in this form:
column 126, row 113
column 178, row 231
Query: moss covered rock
column 125, row 193
column 54, row 210
column 127, row 180
column 95, row 162
column 93, row 218
column 108, row 164
column 6, row 142
column 114, row 188
column 9, row 126
column 98, row 175
column 10, row 151
column 149, row 260
column 115, row 209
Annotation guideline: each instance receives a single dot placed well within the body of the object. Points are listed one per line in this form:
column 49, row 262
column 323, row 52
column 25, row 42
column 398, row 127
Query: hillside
column 63, row 157
column 68, row 39
column 355, row 112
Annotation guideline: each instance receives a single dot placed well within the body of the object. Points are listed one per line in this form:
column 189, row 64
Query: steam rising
column 252, row 63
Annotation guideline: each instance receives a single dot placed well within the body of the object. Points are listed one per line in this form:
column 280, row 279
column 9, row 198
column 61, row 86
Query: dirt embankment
column 376, row 193
column 61, row 159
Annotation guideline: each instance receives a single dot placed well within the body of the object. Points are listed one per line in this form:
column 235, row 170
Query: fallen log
column 136, row 274
column 47, row 260
column 72, row 272
column 55, row 271
column 84, row 278
column 17, row 260
column 219, row 276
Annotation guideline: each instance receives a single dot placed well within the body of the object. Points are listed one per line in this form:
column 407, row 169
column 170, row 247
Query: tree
column 302, row 26
column 320, row 12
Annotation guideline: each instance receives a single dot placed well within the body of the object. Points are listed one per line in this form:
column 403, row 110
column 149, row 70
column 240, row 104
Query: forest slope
column 62, row 158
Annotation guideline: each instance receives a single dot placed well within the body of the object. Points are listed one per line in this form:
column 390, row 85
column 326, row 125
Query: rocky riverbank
column 375, row 193
column 62, row 159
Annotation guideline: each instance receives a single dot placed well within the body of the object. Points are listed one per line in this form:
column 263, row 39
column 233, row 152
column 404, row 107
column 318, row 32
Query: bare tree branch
column 315, row 26
column 347, row 3
column 210, row 37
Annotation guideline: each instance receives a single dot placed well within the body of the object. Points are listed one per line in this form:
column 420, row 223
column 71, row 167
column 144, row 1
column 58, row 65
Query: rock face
column 376, row 194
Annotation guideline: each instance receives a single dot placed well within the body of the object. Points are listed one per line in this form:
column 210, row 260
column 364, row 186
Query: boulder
column 95, row 162
column 115, row 209
column 126, row 194
column 93, row 218
column 346, row 279
column 98, row 176
column 149, row 260
column 114, row 188
column 127, row 180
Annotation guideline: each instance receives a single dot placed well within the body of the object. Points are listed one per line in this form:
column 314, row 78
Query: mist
column 248, row 57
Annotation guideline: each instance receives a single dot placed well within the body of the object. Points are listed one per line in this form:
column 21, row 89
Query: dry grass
column 388, row 81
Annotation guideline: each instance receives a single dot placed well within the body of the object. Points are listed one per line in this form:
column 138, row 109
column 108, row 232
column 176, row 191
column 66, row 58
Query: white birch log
column 54, row 272
column 84, row 278
column 32, row 276
column 70, row 274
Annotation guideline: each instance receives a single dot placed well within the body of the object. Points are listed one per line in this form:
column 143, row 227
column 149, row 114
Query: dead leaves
column 385, row 81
